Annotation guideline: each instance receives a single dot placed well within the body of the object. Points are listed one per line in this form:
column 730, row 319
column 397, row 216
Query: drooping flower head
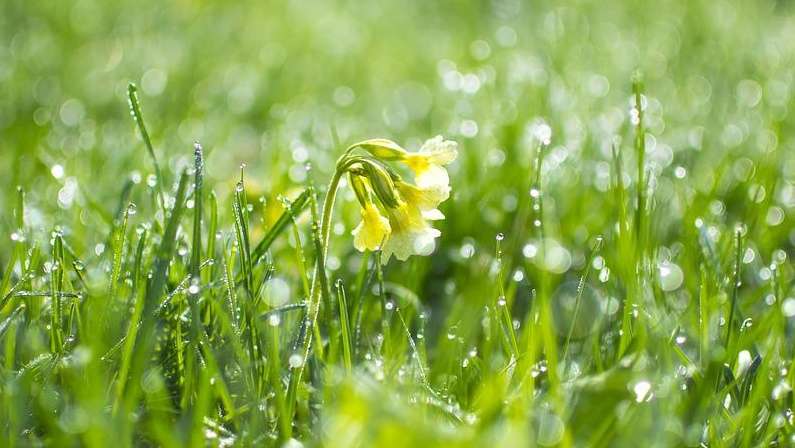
column 408, row 207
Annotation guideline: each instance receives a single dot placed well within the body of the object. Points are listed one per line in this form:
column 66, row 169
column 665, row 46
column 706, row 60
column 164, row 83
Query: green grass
column 181, row 276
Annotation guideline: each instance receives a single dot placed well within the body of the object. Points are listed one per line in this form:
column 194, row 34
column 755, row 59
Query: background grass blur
column 266, row 83
column 279, row 85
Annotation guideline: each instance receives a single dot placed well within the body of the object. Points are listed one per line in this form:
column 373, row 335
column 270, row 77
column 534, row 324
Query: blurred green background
column 277, row 85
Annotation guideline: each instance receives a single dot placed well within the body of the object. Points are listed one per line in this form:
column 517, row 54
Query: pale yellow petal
column 425, row 199
column 439, row 151
column 411, row 234
column 372, row 231
column 433, row 215
column 432, row 176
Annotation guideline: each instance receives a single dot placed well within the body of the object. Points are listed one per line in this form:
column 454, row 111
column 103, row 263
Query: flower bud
column 382, row 149
column 382, row 183
column 359, row 185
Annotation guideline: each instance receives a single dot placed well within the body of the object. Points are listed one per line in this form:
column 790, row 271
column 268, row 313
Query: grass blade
column 135, row 110
column 293, row 211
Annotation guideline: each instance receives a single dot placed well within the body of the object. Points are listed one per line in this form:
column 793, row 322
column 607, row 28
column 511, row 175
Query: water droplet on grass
column 743, row 362
column 642, row 390
column 57, row 171
column 274, row 320
column 529, row 250
column 295, row 361
column 670, row 275
column 550, row 429
column 788, row 307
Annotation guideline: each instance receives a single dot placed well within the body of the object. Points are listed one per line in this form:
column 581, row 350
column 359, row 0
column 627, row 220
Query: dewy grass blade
column 546, row 323
column 194, row 292
column 118, row 240
column 299, row 252
column 345, row 328
column 56, row 298
column 212, row 235
column 155, row 289
column 293, row 211
column 736, row 283
column 135, row 318
column 6, row 323
column 229, row 288
column 198, row 202
column 241, row 231
column 5, row 292
column 275, row 372
column 578, row 299
column 501, row 305
column 135, row 110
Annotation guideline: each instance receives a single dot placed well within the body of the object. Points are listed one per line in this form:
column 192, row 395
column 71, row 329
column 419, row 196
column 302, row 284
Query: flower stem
column 318, row 286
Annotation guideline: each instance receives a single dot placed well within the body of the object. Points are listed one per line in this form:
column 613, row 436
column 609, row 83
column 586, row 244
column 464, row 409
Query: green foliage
column 633, row 160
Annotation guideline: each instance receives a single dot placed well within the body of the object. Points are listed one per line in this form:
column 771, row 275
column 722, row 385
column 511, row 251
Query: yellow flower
column 428, row 163
column 372, row 230
column 411, row 233
column 408, row 206
column 427, row 199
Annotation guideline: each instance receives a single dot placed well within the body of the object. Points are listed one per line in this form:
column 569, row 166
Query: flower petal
column 432, row 176
column 411, row 234
column 371, row 231
column 423, row 198
column 439, row 151
column 433, row 215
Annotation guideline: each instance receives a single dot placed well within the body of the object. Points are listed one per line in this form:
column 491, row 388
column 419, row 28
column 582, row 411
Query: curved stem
column 328, row 205
column 315, row 291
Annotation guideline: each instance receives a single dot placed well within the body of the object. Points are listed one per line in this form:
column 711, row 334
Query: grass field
column 195, row 197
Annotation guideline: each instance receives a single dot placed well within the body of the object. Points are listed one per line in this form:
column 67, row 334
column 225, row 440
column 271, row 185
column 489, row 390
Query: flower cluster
column 396, row 214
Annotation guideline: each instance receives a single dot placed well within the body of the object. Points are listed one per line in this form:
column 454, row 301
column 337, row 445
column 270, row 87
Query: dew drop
column 295, row 361
column 274, row 320
column 642, row 391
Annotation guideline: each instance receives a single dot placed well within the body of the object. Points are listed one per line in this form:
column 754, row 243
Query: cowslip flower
column 404, row 231
column 408, row 207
